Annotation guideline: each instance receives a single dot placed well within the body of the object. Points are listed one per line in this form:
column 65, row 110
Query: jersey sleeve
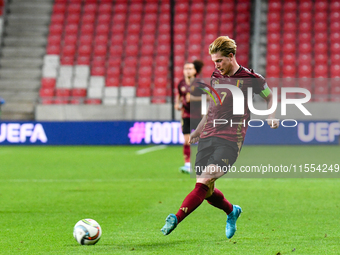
column 260, row 86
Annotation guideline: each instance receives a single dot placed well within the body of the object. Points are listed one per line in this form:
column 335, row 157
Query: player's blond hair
column 223, row 44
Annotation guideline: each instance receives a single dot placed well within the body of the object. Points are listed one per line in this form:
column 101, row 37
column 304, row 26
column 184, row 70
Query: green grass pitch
column 46, row 190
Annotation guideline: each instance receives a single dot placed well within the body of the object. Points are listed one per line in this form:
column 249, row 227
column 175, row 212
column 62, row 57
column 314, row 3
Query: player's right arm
column 177, row 99
column 195, row 136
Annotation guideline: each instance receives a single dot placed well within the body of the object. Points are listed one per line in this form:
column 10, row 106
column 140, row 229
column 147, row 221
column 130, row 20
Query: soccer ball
column 87, row 231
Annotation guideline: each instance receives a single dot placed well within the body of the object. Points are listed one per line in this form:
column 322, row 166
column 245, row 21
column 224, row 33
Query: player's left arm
column 267, row 95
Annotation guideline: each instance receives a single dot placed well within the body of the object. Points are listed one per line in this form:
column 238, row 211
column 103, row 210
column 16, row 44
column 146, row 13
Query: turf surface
column 46, row 190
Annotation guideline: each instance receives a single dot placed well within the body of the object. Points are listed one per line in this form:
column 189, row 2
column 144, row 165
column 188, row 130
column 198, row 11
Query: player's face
column 189, row 70
column 223, row 64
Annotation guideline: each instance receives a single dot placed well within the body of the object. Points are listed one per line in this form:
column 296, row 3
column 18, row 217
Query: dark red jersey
column 183, row 90
column 193, row 89
column 235, row 128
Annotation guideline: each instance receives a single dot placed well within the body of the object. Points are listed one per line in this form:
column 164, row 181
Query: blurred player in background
column 189, row 94
column 220, row 145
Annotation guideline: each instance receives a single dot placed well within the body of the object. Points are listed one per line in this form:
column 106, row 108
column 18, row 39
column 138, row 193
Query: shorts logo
column 225, row 161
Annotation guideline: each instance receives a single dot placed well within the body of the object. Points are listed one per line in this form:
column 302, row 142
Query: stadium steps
column 262, row 62
column 23, row 48
column 27, row 52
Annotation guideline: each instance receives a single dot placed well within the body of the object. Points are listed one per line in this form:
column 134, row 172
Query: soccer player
column 188, row 93
column 220, row 146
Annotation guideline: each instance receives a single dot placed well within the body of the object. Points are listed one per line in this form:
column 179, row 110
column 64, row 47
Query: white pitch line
column 153, row 148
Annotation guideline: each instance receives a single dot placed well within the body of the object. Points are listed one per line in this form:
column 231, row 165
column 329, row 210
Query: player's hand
column 273, row 123
column 177, row 107
column 187, row 97
column 194, row 137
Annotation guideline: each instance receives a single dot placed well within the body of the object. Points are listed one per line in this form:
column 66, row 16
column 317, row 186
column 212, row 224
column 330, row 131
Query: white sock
column 187, row 164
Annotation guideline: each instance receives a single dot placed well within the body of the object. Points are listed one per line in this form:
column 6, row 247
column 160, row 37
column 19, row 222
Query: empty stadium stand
column 303, row 41
column 118, row 52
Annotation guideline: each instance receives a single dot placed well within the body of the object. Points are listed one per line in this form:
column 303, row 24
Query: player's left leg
column 186, row 153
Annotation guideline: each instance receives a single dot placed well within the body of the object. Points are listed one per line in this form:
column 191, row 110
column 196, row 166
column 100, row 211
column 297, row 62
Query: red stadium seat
column 181, row 7
column 151, row 7
column 161, row 71
column 320, row 71
column 74, row 8
column 56, row 29
column 306, row 6
column 289, row 16
column 335, row 48
column 158, row 95
column 93, row 101
column 321, row 37
column 335, row 71
column 77, row 92
column 274, row 27
column 89, row 8
column 304, row 38
column 305, row 59
column 130, row 61
column 86, row 39
column 289, row 48
column 70, row 39
column 134, row 28
column 144, row 82
column 274, row 49
column 274, row 6
column 59, row 8
column 273, row 59
column 335, row 86
column 57, row 18
column 227, row 17
column 289, row 37
column 164, row 28
column 69, row 50
column 305, row 27
column 274, row 17
column 112, row 81
column 131, row 50
column 98, row 71
column 145, row 61
column 321, row 58
column 117, row 39
column 243, row 7
column 147, row 50
column 180, row 28
column 273, row 38
column 213, row 17
column 87, row 28
column 136, row 7
column 104, row 8
column 197, row 7
column 149, row 28
column 181, row 18
column 46, row 92
column 335, row 59
column 83, row 60
column 321, row 16
column 73, row 18
column 160, row 82
column 164, row 39
column 119, row 18
column 305, row 71
column 100, row 50
column 164, row 18
column 121, row 7
column 179, row 49
column 84, row 50
column 335, row 27
column 305, row 17
column 60, row 100
column 273, row 71
column 288, row 59
column 145, row 71
column 148, row 39
column 321, row 6
column 305, row 48
column 101, row 39
column 136, row 18
column 62, row 92
column 113, row 71
column 67, row 60
column 289, row 6
column 54, row 39
column 163, row 49
column 143, row 92
column 321, row 27
column 128, row 81
column 289, row 71
column 48, row 82
column 117, row 28
column 335, row 38
column 102, row 29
